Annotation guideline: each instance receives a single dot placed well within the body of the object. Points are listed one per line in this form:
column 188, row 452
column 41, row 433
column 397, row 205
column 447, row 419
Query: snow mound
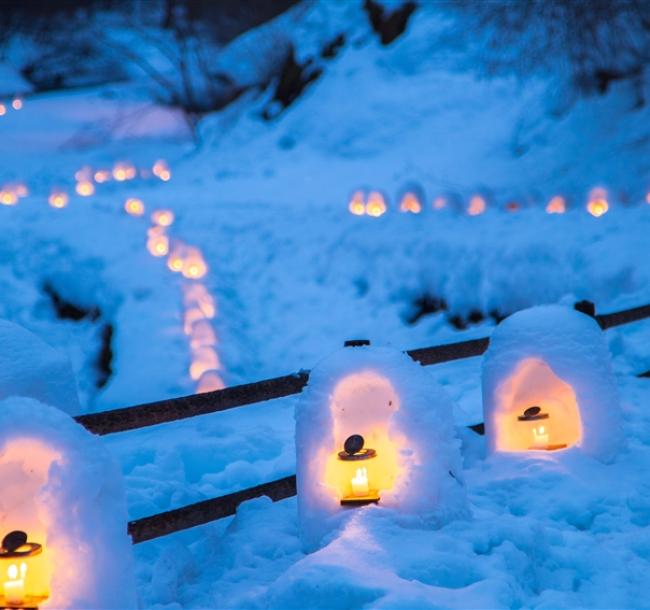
column 382, row 395
column 63, row 489
column 548, row 383
column 30, row 367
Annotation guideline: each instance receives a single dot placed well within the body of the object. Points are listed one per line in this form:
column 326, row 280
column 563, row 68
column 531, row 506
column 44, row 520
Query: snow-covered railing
column 173, row 409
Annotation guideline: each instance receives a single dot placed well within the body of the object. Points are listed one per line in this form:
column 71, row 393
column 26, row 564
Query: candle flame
column 85, row 188
column 598, row 204
column 158, row 245
column 376, row 205
column 356, row 205
column 410, row 203
column 58, row 199
column 163, row 218
column 8, row 197
column 161, row 170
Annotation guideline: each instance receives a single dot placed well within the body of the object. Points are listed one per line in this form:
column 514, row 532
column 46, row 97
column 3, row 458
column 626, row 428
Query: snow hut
column 373, row 428
column 30, row 367
column 548, row 385
column 63, row 519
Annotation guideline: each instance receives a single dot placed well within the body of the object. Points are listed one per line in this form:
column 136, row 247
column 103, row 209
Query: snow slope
column 293, row 275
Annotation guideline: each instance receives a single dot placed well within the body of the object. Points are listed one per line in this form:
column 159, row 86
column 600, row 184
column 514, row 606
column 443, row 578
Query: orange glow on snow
column 209, row 382
column 102, row 175
column 17, row 104
column 557, row 205
column 439, row 203
column 124, row 171
column 8, row 197
column 197, row 295
column 3, row 110
column 356, row 205
column 203, row 359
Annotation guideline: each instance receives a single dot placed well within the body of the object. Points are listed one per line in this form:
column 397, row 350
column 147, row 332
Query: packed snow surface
column 291, row 274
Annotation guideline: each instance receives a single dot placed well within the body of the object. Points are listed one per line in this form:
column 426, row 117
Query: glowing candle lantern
column 3, row 110
column 161, row 170
column 410, row 203
column 194, row 267
column 58, row 199
column 376, row 205
column 158, row 245
column 477, row 205
column 196, row 295
column 102, row 175
column 557, row 205
column 8, row 197
column 85, row 188
column 203, row 359
column 647, row 198
column 175, row 260
column 202, row 334
column 17, row 104
column 598, row 205
column 134, row 206
column 366, row 424
column 548, row 385
column 163, row 218
column 356, row 205
column 25, row 583
column 124, row 171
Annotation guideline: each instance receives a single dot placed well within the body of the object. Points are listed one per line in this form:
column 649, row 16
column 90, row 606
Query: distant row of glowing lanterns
column 122, row 171
column 374, row 204
column 15, row 104
column 198, row 305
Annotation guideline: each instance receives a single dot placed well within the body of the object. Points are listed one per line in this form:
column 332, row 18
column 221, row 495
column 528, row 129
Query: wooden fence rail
column 173, row 409
column 205, row 511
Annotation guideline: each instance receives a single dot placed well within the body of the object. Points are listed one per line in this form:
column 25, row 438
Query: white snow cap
column 391, row 401
column 61, row 486
column 30, row 367
column 555, row 358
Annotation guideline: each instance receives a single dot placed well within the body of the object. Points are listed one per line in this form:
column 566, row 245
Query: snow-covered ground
column 292, row 275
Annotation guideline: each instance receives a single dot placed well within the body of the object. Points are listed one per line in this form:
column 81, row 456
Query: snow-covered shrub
column 548, row 384
column 405, row 417
column 62, row 488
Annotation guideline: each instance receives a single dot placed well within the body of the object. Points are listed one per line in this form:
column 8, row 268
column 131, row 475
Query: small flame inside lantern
column 477, row 205
column 8, row 197
column 360, row 483
column 175, row 261
column 540, row 437
column 557, row 205
column 158, row 245
column 376, row 205
column 194, row 267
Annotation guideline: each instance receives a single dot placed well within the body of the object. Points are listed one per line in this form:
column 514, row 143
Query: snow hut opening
column 372, row 428
column 536, row 410
column 361, row 406
column 548, row 385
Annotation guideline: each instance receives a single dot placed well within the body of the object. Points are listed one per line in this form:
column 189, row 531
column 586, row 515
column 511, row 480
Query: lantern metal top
column 533, row 414
column 353, row 450
column 15, row 546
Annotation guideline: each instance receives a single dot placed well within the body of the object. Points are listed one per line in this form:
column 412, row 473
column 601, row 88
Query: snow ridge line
column 200, row 513
column 173, row 409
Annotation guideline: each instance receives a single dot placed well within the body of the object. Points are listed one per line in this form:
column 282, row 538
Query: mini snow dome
column 373, row 428
column 63, row 519
column 548, row 385
column 30, row 367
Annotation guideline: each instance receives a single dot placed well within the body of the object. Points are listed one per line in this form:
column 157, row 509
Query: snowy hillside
column 275, row 273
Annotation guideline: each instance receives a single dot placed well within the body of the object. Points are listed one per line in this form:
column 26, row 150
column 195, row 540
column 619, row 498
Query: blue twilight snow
column 382, row 395
column 548, row 384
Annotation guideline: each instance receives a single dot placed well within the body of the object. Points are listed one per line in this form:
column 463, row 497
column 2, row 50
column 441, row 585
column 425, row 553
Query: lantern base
column 30, row 602
column 548, row 448
column 372, row 497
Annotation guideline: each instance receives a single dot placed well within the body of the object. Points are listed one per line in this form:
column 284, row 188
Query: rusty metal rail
column 173, row 409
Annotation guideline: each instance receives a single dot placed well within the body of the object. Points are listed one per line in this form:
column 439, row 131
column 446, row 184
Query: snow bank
column 391, row 401
column 30, row 367
column 548, row 383
column 63, row 489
